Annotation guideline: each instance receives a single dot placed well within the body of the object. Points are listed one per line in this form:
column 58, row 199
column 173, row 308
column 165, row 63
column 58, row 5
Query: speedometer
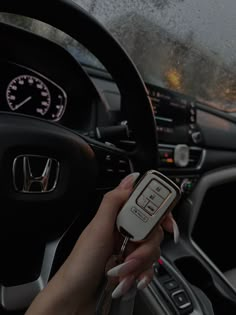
column 29, row 95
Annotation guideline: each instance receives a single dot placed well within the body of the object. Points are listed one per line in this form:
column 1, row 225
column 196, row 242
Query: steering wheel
column 69, row 162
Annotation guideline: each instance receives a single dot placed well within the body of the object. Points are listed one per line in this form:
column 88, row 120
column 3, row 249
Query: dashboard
column 176, row 120
column 26, row 91
column 40, row 78
column 175, row 115
column 197, row 150
column 193, row 141
column 191, row 137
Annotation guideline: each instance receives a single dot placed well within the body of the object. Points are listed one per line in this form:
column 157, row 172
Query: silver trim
column 19, row 297
column 30, row 179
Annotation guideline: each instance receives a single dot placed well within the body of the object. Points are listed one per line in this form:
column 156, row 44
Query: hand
column 75, row 286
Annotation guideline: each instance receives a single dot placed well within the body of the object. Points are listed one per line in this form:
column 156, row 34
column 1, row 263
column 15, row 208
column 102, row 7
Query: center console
column 171, row 293
column 179, row 137
column 175, row 115
column 187, row 281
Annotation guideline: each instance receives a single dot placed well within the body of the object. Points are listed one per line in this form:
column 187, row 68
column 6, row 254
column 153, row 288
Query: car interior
column 91, row 91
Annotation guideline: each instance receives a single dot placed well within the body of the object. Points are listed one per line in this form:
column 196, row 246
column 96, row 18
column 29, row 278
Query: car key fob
column 153, row 196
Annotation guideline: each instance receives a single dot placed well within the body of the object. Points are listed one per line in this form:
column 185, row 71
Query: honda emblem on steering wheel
column 35, row 173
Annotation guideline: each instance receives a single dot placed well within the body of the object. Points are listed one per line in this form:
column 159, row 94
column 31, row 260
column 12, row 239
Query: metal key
column 105, row 299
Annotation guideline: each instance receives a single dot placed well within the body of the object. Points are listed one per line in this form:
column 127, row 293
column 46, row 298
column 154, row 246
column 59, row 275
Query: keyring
column 123, row 246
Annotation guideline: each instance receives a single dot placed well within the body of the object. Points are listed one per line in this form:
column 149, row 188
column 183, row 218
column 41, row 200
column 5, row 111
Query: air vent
column 195, row 156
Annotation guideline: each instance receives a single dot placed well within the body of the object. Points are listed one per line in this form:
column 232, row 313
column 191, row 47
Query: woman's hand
column 75, row 286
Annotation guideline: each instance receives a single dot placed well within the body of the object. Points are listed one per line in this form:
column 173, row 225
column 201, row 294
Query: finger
column 115, row 199
column 145, row 278
column 127, row 282
column 141, row 258
column 169, row 224
column 149, row 250
column 155, row 238
column 123, row 287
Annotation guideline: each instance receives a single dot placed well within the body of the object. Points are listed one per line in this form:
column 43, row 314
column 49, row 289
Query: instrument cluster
column 25, row 91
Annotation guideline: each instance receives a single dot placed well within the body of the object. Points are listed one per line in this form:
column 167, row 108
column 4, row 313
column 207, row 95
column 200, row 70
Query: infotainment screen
column 175, row 115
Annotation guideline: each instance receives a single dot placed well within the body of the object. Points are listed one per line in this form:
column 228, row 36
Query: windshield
column 184, row 45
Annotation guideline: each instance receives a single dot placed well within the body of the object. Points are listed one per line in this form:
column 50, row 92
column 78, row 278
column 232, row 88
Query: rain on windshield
column 186, row 46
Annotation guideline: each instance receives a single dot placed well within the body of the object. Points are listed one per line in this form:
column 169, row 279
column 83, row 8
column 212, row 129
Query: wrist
column 60, row 298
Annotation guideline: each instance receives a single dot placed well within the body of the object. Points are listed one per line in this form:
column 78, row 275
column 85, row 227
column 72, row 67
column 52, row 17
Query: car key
column 153, row 196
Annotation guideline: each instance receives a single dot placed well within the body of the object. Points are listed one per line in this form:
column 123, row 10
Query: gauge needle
column 22, row 103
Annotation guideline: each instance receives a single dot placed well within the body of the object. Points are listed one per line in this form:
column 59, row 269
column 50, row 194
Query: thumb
column 115, row 199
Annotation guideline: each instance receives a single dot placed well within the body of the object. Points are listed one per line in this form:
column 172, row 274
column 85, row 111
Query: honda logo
column 35, row 174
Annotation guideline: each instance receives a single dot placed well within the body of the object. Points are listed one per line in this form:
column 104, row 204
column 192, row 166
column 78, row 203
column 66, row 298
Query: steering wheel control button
column 196, row 137
column 35, row 174
column 113, row 168
column 139, row 214
column 181, row 299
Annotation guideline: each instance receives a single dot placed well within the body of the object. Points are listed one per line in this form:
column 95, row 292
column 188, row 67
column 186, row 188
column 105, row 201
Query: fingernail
column 123, row 269
column 122, row 287
column 143, row 283
column 175, row 231
column 129, row 180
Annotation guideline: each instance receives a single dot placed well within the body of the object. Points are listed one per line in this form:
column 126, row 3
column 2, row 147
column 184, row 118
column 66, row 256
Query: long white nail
column 129, row 180
column 143, row 283
column 122, row 268
column 122, row 287
column 175, row 231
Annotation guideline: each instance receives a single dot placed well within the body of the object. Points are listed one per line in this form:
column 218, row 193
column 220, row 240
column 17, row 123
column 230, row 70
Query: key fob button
column 139, row 214
column 151, row 208
column 159, row 189
column 153, row 197
column 154, row 194
column 142, row 201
